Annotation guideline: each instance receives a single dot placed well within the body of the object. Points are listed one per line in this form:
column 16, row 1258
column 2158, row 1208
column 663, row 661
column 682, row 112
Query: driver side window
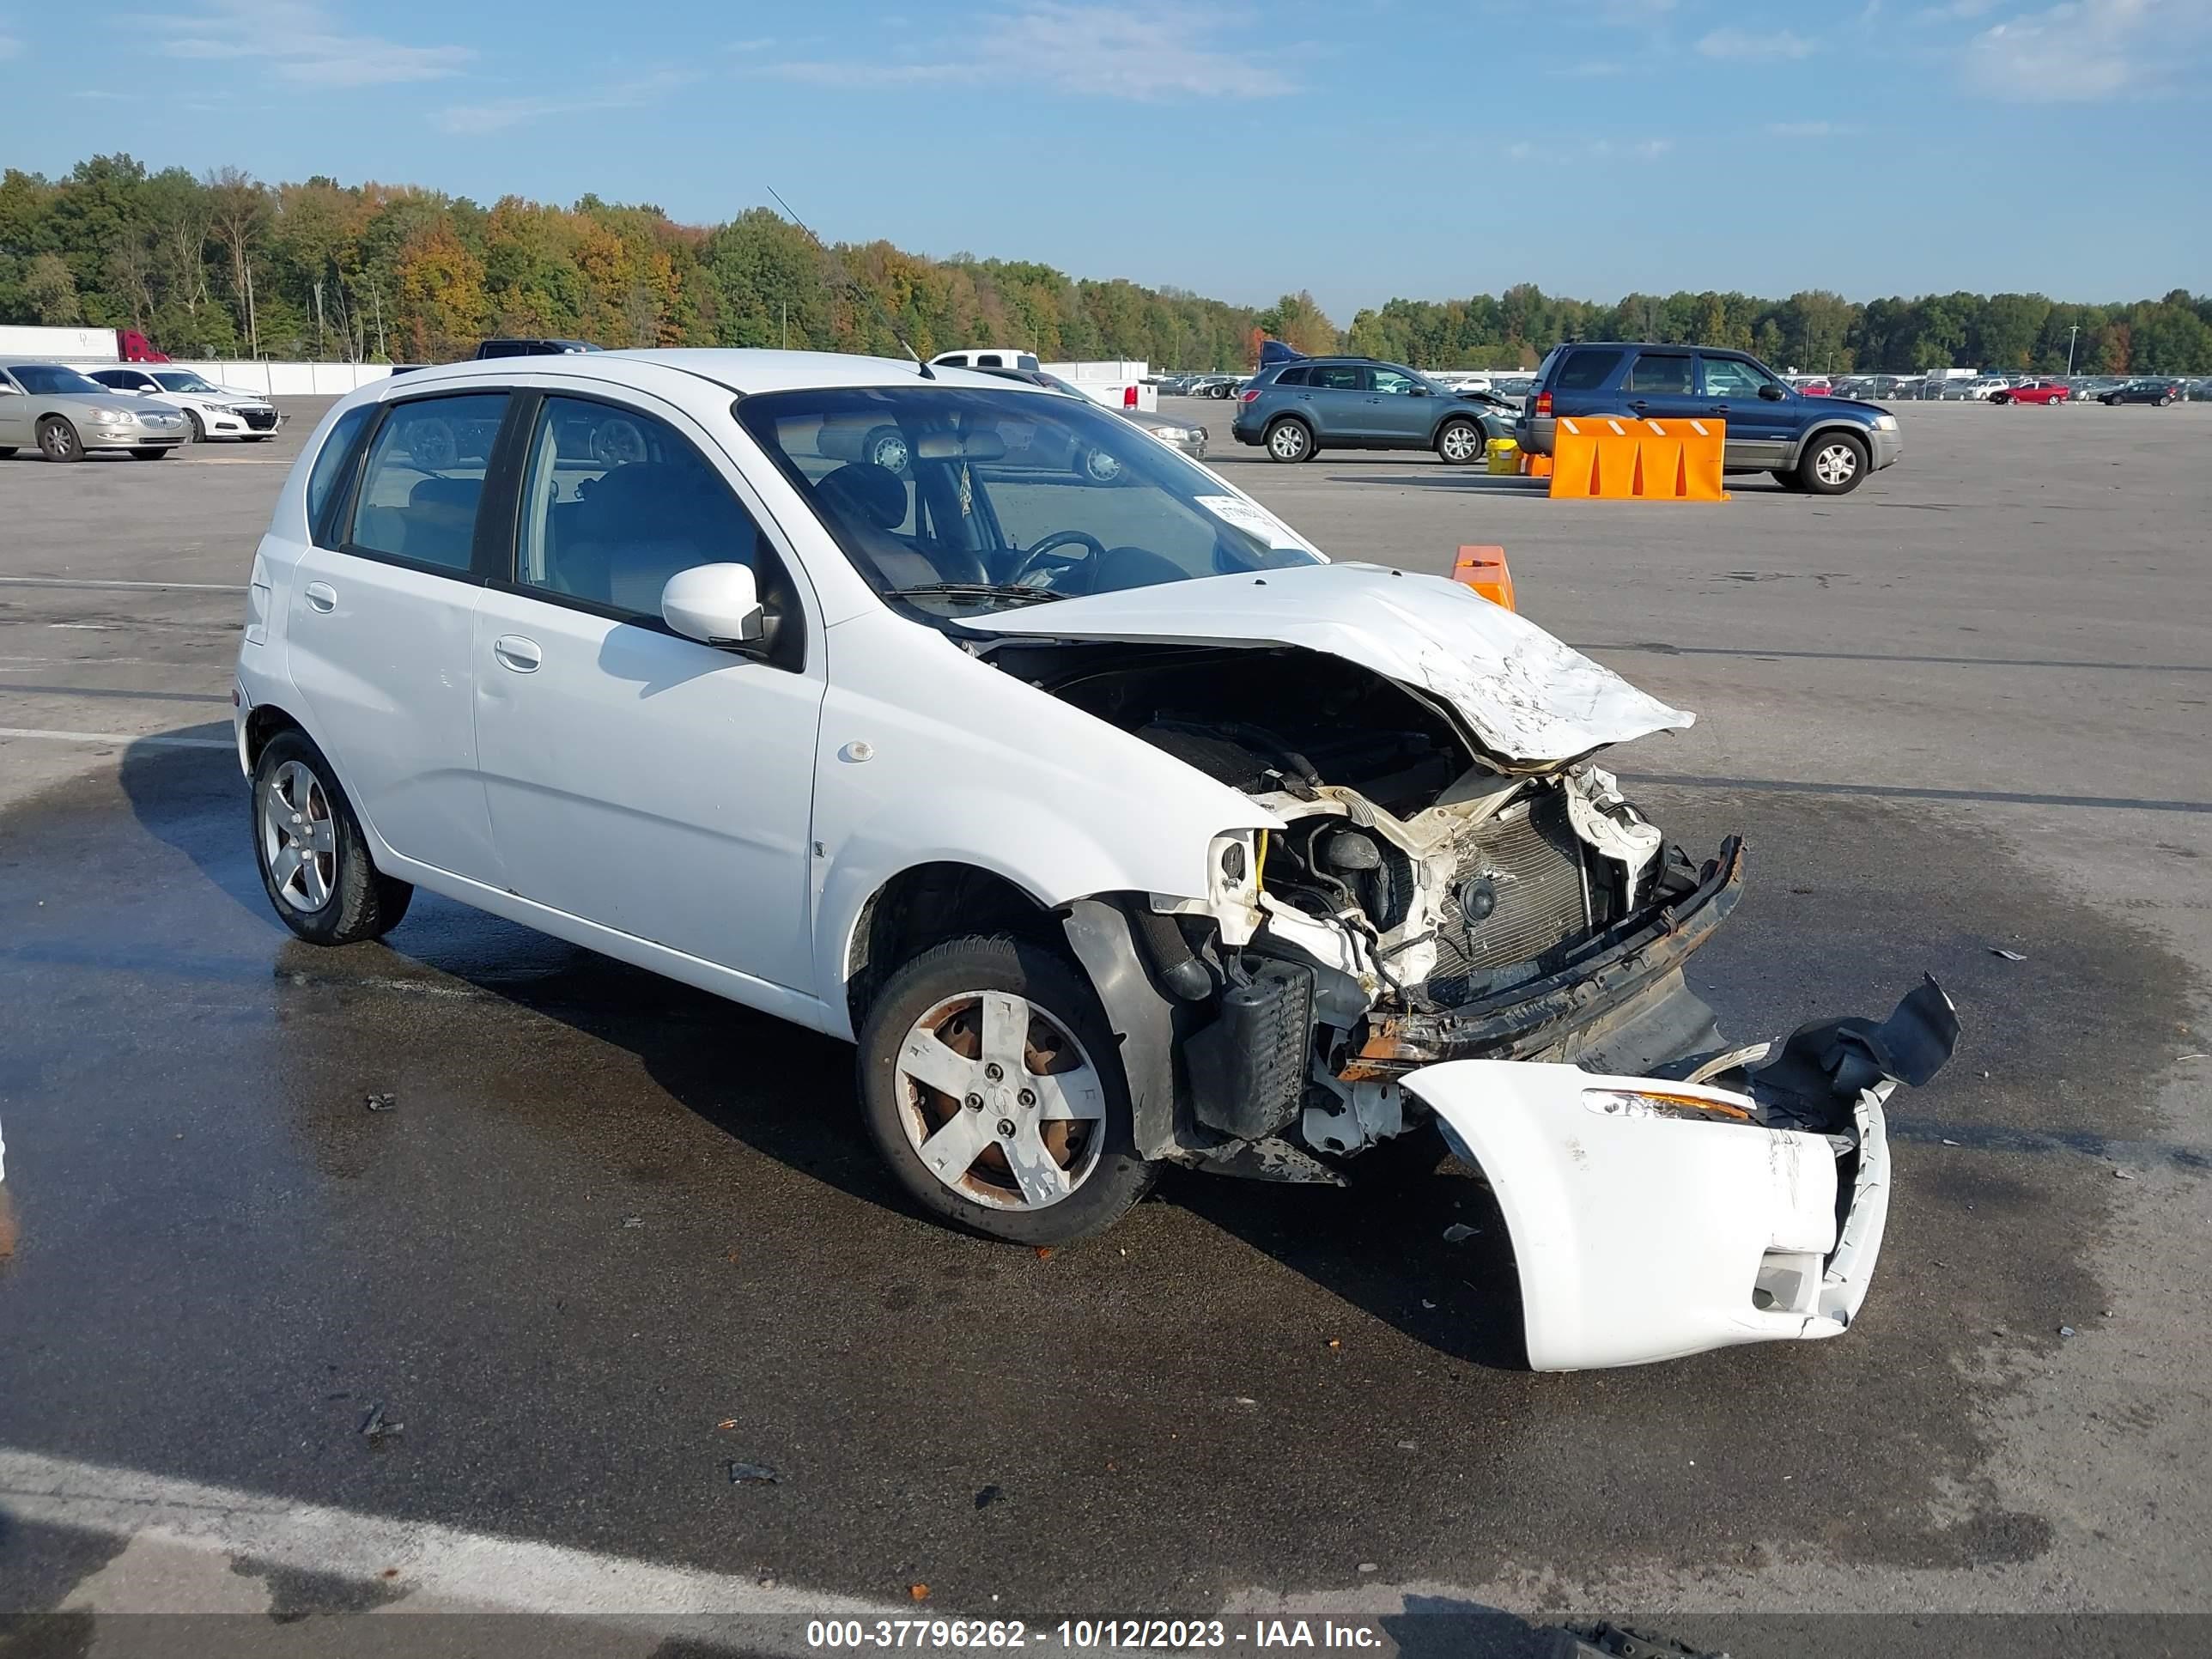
column 1391, row 380
column 1727, row 378
column 615, row 501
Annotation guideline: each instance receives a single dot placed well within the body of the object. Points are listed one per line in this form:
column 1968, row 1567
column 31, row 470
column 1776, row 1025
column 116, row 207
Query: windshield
column 184, row 381
column 52, row 380
column 958, row 498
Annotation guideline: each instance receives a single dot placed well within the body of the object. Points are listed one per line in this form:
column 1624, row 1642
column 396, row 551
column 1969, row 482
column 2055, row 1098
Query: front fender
column 1646, row 1237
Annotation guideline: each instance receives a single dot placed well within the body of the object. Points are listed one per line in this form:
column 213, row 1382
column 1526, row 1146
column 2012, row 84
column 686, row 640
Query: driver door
column 1760, row 430
column 15, row 413
column 637, row 780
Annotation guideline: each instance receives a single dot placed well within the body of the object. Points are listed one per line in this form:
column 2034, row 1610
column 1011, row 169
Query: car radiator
column 1519, row 891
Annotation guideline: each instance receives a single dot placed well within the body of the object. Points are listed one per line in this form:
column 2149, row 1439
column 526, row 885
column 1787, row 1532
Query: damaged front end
column 1446, row 923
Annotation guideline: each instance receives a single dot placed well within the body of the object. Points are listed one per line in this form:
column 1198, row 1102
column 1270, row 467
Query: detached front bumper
column 1640, row 1236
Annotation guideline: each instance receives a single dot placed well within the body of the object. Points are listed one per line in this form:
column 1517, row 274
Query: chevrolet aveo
column 1113, row 824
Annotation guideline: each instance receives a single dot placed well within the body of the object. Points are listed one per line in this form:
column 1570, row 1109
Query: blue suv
column 1823, row 445
column 1296, row 409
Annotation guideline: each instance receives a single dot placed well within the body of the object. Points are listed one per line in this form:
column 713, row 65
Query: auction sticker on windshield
column 1253, row 521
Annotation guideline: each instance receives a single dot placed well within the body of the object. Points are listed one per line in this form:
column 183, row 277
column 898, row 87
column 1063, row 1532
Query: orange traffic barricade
column 1615, row 459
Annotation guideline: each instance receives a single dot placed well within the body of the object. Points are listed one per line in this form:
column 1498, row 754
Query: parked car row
column 69, row 416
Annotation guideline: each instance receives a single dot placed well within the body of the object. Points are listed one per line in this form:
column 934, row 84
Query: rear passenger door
column 1662, row 385
column 640, row 780
column 1338, row 395
column 379, row 635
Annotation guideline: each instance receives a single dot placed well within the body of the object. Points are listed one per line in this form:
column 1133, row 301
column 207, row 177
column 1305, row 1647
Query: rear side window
column 1292, row 377
column 424, row 478
column 1661, row 372
column 332, row 462
column 1586, row 370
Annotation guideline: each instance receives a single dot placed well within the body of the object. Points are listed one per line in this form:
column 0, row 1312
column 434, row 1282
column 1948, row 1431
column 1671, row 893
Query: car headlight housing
column 116, row 417
column 1885, row 422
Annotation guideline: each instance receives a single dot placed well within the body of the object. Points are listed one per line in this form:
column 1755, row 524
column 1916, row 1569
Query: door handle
column 321, row 596
column 1717, row 409
column 1637, row 404
column 515, row 651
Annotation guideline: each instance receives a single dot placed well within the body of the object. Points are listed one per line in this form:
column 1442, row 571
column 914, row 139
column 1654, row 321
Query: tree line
column 223, row 264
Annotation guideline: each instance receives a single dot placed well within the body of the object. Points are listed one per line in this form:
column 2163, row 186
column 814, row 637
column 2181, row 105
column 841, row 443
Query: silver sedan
column 67, row 416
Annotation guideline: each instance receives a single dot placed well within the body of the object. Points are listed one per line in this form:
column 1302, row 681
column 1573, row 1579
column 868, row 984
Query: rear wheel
column 1098, row 466
column 1834, row 464
column 2166, row 400
column 885, row 447
column 992, row 1086
column 314, row 862
column 1289, row 440
column 200, row 429
column 57, row 440
column 1461, row 442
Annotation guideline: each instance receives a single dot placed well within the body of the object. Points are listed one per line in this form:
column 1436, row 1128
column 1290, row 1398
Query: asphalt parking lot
column 615, row 1234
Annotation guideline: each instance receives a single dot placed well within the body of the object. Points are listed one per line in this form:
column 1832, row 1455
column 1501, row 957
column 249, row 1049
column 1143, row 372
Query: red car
column 2035, row 392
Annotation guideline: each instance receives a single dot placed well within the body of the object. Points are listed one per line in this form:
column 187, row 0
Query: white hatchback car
column 1113, row 824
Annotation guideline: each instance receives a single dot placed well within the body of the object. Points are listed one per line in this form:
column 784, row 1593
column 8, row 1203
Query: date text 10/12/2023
column 1091, row 1635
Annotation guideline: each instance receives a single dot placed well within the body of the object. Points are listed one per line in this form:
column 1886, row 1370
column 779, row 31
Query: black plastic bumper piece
column 1248, row 1069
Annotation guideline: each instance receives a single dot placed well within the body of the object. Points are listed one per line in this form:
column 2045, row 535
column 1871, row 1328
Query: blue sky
column 1361, row 149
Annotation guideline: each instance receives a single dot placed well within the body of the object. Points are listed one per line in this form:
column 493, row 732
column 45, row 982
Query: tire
column 1834, row 464
column 939, row 1005
column 58, row 442
column 7, row 451
column 1466, row 437
column 334, row 895
column 2165, row 402
column 199, row 429
column 1789, row 480
column 2000, row 397
column 885, row 447
column 152, row 453
column 1289, row 441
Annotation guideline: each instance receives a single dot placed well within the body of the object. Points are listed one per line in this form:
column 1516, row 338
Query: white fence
column 291, row 380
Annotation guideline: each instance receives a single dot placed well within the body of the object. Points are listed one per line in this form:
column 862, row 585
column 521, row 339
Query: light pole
column 2070, row 333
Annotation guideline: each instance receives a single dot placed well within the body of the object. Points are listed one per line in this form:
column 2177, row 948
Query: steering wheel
column 1042, row 553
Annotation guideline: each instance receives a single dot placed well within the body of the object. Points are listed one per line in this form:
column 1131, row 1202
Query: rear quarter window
column 331, row 462
column 1292, row 377
column 1586, row 371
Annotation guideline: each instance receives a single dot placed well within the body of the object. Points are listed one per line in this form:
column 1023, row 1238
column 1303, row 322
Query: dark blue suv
column 1825, row 445
column 1296, row 409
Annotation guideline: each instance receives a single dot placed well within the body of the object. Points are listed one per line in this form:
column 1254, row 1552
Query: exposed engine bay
column 1434, row 932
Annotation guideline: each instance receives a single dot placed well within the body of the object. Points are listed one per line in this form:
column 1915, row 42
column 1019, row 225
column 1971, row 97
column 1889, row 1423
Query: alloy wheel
column 1836, row 465
column 299, row 841
column 1000, row 1101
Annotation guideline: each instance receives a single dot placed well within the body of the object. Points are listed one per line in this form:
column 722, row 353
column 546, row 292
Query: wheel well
column 1850, row 428
column 1274, row 420
column 927, row 905
column 263, row 724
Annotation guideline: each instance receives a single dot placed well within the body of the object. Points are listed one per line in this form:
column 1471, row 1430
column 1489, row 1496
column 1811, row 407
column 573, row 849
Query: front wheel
column 1835, row 464
column 150, row 453
column 2001, row 398
column 314, row 861
column 7, row 451
column 1461, row 443
column 57, row 440
column 1788, row 480
column 885, row 447
column 992, row 1086
column 1098, row 466
column 1289, row 441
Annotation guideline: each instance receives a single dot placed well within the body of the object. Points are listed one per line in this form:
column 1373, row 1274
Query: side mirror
column 717, row 605
column 1419, row 390
column 1771, row 393
column 7, row 391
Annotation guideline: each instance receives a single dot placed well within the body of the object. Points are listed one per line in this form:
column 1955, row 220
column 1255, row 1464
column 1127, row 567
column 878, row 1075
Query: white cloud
column 1746, row 43
column 2085, row 50
column 496, row 114
column 1145, row 53
column 300, row 42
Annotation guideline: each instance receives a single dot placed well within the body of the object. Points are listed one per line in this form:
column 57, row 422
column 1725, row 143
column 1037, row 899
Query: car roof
column 44, row 362
column 742, row 369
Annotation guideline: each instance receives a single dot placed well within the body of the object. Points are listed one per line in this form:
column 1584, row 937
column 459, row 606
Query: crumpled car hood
column 1525, row 697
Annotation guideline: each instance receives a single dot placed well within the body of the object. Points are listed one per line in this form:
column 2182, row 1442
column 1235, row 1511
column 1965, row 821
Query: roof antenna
column 838, row 273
